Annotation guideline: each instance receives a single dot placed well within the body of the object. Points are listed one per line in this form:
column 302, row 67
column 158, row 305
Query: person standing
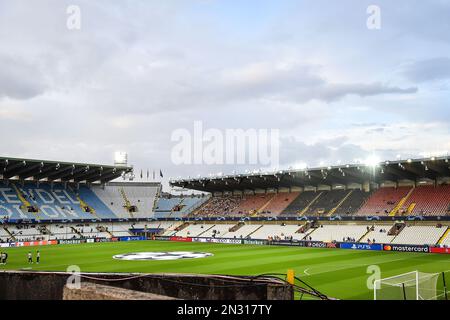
column 38, row 256
column 30, row 258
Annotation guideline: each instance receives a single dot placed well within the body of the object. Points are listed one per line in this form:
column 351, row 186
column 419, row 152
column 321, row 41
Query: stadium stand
column 112, row 198
column 328, row 233
column 285, row 203
column 170, row 227
column 100, row 209
column 88, row 208
column 446, row 241
column 26, row 232
column 282, row 232
column 187, row 205
column 49, row 202
column 300, row 203
column 90, row 231
column 251, row 204
column 143, row 198
column 383, row 201
column 127, row 200
column 243, row 231
column 419, row 235
column 61, row 230
column 428, row 201
column 218, row 206
column 218, row 230
column 169, row 206
column 326, row 202
column 164, row 206
column 425, row 200
column 410, row 234
column 5, row 236
column 378, row 234
column 193, row 230
column 352, row 203
column 278, row 203
column 120, row 230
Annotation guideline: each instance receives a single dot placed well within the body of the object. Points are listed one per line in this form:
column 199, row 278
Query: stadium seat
column 328, row 233
column 383, row 201
column 117, row 196
column 278, row 203
column 419, row 235
column 428, row 201
column 300, row 203
column 218, row 206
column 52, row 203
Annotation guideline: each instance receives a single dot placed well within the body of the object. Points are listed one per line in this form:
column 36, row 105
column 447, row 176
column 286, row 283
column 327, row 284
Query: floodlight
column 372, row 161
column 120, row 158
column 301, row 166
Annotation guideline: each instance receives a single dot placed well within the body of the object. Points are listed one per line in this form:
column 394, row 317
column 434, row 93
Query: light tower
column 120, row 158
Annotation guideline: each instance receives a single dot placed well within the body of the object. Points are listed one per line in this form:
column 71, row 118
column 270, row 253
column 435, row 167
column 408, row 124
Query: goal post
column 413, row 285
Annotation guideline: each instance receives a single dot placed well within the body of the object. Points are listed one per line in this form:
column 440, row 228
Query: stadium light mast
column 120, row 158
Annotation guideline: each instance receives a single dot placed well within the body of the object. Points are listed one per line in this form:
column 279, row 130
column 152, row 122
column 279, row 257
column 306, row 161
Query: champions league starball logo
column 174, row 255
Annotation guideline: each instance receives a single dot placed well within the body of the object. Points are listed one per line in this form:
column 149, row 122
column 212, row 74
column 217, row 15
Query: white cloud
column 13, row 114
column 428, row 70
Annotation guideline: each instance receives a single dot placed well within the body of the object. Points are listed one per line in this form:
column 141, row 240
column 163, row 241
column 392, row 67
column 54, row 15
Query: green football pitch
column 338, row 273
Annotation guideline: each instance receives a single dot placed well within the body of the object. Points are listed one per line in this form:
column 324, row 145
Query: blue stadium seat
column 57, row 203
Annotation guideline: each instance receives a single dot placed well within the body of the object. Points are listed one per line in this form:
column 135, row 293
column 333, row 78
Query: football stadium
column 222, row 157
column 379, row 231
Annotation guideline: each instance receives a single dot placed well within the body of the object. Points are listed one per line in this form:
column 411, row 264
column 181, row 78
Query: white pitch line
column 331, row 268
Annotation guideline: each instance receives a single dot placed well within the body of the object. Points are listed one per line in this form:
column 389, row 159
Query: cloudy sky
column 136, row 71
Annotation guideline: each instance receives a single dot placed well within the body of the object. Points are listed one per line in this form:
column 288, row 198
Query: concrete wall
column 23, row 285
column 94, row 291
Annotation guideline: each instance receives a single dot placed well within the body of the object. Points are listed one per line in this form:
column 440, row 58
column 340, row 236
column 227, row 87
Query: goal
column 413, row 285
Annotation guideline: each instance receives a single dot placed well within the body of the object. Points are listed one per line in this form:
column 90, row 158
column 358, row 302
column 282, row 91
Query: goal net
column 413, row 285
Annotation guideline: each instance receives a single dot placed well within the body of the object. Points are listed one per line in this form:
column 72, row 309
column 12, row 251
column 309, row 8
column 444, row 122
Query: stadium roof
column 414, row 170
column 37, row 170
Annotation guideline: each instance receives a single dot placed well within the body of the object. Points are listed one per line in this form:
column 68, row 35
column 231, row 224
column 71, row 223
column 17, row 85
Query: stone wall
column 23, row 285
